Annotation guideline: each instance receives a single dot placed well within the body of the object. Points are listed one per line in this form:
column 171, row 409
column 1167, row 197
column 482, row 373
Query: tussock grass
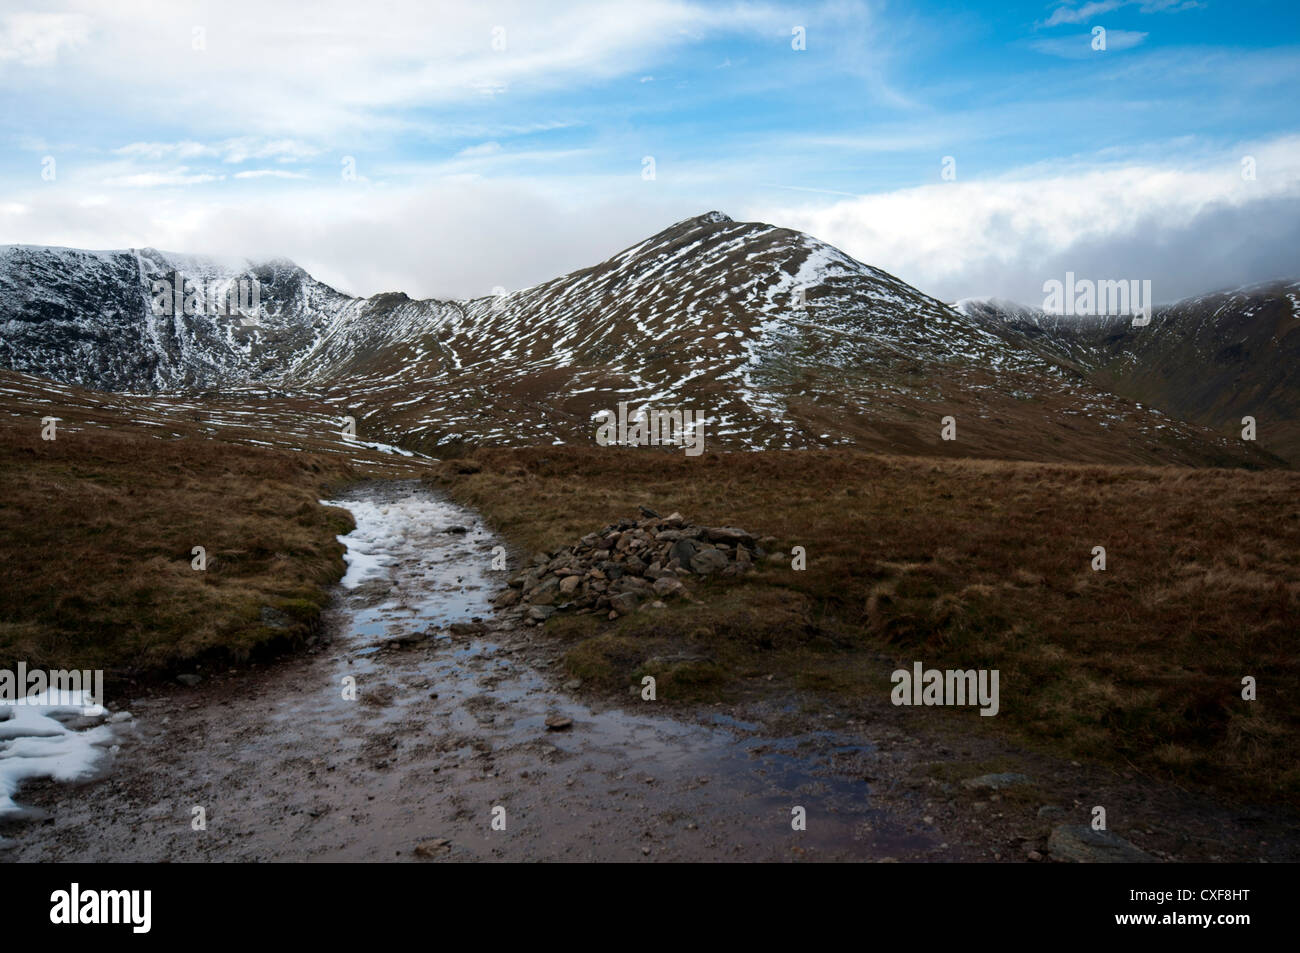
column 96, row 540
column 961, row 564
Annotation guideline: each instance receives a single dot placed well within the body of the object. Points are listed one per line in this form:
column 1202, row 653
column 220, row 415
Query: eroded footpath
column 448, row 722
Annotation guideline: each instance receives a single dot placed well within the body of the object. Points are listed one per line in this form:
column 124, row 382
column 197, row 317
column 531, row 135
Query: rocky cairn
column 630, row 565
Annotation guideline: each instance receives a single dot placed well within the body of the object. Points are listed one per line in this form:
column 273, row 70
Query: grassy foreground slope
column 97, row 529
column 959, row 564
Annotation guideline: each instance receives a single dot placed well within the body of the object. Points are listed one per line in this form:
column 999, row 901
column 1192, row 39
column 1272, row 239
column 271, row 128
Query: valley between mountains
column 825, row 384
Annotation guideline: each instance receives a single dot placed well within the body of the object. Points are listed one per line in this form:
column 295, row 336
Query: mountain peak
column 708, row 218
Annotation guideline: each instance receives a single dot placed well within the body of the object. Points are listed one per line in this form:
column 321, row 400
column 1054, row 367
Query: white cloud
column 35, row 39
column 173, row 177
column 1095, row 8
column 269, row 173
column 1079, row 46
column 345, row 67
column 1005, row 236
column 456, row 238
column 485, row 149
column 154, row 151
column 229, row 150
column 240, row 150
column 1068, row 14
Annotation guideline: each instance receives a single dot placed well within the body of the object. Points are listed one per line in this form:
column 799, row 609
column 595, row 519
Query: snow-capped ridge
column 780, row 339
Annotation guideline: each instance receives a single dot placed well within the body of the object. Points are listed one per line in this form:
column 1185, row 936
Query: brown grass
column 964, row 564
column 98, row 527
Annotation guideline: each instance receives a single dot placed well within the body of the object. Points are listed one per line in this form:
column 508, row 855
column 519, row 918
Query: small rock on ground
column 1080, row 844
column 432, row 848
column 996, row 782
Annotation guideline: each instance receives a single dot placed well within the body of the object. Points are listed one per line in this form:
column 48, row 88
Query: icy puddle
column 411, row 727
column 414, row 561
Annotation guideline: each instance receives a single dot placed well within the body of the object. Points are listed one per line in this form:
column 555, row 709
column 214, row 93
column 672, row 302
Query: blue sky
column 502, row 144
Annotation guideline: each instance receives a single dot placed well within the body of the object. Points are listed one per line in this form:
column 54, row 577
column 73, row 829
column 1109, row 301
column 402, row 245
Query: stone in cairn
column 631, row 564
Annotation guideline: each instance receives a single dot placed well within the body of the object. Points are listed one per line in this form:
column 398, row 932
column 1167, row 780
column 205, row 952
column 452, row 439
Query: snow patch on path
column 35, row 742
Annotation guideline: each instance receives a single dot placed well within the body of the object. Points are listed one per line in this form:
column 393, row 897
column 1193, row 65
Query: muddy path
column 444, row 742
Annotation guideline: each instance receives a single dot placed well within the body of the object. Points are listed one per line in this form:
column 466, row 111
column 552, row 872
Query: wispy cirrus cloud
column 1069, row 13
column 230, row 150
column 483, row 149
column 270, row 174
column 179, row 176
column 1080, row 46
